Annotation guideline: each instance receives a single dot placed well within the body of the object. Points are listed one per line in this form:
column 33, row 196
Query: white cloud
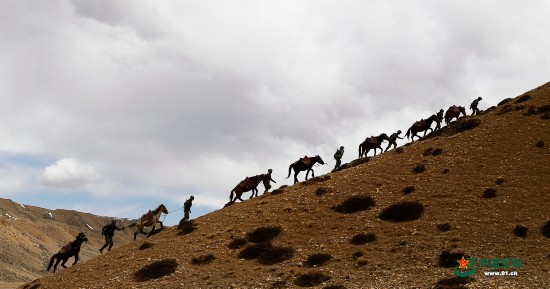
column 70, row 173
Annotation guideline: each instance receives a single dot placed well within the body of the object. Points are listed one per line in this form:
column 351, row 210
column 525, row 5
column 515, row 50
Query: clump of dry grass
column 445, row 171
column 399, row 150
column 203, row 259
column 237, row 243
column 311, row 279
column 274, row 255
column 264, row 234
column 468, row 124
column 407, row 190
column 402, row 212
column 449, row 260
column 334, row 287
column 317, row 259
column 444, row 227
column 145, row 245
column 254, row 251
column 523, row 98
column 355, row 204
column 499, row 181
column 427, row 152
column 156, row 270
column 323, row 190
column 540, row 144
column 489, row 193
column 361, row 238
column 357, row 254
column 419, row 169
column 545, row 230
column 520, row 231
column 437, row 152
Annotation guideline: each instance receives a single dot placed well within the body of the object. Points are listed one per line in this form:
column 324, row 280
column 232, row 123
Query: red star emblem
column 463, row 263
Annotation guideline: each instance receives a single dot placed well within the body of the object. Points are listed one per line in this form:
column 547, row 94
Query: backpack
column 104, row 230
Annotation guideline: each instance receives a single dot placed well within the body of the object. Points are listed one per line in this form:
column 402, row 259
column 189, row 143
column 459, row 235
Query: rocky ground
column 478, row 188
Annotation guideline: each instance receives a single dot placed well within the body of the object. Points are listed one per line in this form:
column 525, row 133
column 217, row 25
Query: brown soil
column 496, row 150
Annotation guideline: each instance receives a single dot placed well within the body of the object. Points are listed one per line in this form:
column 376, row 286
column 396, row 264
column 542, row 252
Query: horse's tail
column 360, row 149
column 408, row 132
column 231, row 195
column 51, row 261
column 289, row 170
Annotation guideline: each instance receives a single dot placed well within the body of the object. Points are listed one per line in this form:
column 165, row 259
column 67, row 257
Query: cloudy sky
column 113, row 107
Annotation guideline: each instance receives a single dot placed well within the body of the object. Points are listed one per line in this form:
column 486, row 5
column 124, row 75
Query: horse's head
column 319, row 159
column 81, row 237
column 163, row 209
column 383, row 136
column 462, row 110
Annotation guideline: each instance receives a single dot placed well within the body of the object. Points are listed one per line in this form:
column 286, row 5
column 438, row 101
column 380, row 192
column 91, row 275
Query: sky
column 114, row 107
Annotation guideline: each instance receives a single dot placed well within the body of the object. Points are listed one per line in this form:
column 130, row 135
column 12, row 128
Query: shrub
column 145, row 245
column 453, row 283
column 523, row 98
column 185, row 227
column 355, row 204
column 545, row 230
column 505, row 109
column 499, row 181
column 444, row 227
column 274, row 255
column 357, row 254
column 437, row 152
column 237, row 243
column 402, row 212
column 489, row 193
column 468, row 124
column 445, row 171
column 419, row 169
column 156, row 270
column 540, row 144
column 399, row 150
column 311, row 279
column 361, row 238
column 317, row 260
column 449, row 260
column 408, row 190
column 264, row 234
column 334, row 287
column 322, row 190
column 504, row 101
column 254, row 251
column 203, row 259
column 520, row 231
column 427, row 152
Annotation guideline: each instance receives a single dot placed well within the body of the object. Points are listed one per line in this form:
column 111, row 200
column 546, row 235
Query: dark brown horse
column 69, row 250
column 454, row 111
column 373, row 142
column 248, row 184
column 305, row 164
column 422, row 125
column 149, row 219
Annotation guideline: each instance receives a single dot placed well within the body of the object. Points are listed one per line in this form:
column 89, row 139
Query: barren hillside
column 478, row 188
column 31, row 235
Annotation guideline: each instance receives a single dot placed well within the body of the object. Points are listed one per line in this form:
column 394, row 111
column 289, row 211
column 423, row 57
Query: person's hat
column 399, row 131
column 342, row 147
column 479, row 98
column 192, row 198
column 441, row 110
column 269, row 171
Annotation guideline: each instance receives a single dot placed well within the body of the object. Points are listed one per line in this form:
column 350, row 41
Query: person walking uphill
column 392, row 139
column 187, row 208
column 338, row 157
column 267, row 179
column 474, row 104
column 109, row 231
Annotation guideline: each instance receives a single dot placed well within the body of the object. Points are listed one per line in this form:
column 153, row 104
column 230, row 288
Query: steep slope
column 31, row 235
column 477, row 188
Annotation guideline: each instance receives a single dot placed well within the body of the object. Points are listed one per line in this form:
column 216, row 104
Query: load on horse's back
column 304, row 164
column 248, row 184
column 149, row 219
column 373, row 142
column 67, row 251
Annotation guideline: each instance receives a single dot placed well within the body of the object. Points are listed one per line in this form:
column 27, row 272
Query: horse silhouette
column 422, row 125
column 248, row 184
column 149, row 219
column 69, row 250
column 303, row 165
column 454, row 111
column 373, row 142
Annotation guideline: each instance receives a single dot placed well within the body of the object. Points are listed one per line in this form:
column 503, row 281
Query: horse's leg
column 56, row 263
column 161, row 225
column 75, row 259
column 135, row 235
column 64, row 261
column 296, row 172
